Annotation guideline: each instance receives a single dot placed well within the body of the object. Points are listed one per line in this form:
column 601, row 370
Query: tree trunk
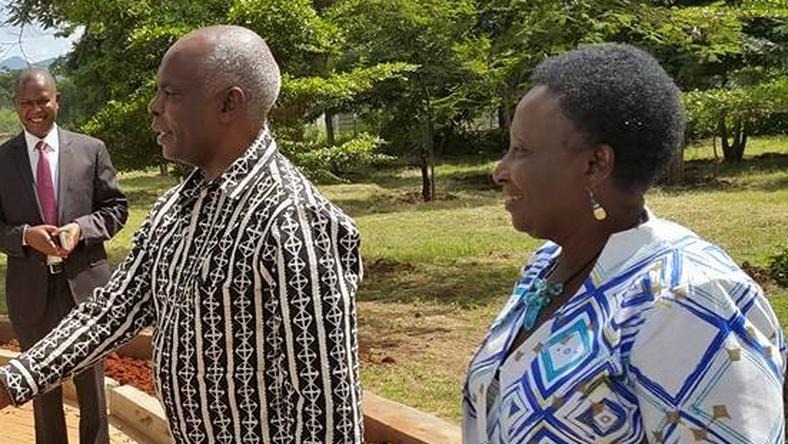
column 428, row 162
column 428, row 146
column 501, row 116
column 505, row 114
column 741, row 140
column 675, row 173
column 733, row 150
column 426, row 181
column 432, row 174
column 163, row 170
column 330, row 139
column 727, row 151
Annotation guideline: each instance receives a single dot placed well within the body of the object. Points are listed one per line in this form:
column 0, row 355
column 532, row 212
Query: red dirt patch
column 136, row 372
column 11, row 345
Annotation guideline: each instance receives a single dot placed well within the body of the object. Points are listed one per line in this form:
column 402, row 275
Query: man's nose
column 152, row 106
column 500, row 174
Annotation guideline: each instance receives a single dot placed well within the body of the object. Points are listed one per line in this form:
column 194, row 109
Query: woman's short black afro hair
column 620, row 96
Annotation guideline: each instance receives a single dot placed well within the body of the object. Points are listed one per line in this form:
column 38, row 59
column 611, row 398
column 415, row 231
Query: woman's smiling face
column 542, row 173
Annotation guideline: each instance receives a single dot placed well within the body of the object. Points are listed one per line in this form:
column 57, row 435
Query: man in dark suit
column 59, row 202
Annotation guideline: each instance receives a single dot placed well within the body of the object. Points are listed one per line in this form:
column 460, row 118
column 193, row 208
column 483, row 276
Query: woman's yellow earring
column 599, row 212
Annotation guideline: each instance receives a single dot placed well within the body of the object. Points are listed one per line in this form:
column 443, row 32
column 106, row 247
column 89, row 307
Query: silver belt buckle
column 55, row 268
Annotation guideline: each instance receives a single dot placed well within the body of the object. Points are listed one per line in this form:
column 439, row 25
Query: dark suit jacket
column 88, row 194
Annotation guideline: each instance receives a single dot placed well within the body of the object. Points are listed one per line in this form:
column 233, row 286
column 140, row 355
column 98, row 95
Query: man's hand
column 5, row 399
column 40, row 239
column 69, row 235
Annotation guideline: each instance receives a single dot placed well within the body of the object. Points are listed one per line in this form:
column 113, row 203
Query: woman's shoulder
column 671, row 261
column 694, row 259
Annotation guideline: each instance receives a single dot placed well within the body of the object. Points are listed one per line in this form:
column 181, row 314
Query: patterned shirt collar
column 257, row 155
column 626, row 246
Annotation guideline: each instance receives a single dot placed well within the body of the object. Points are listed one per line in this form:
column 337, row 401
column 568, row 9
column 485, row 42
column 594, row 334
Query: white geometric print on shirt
column 249, row 282
column 666, row 341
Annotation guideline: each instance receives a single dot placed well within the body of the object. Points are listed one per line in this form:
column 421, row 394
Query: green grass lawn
column 437, row 273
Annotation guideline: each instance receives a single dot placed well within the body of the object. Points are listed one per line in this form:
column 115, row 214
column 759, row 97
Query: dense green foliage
column 421, row 74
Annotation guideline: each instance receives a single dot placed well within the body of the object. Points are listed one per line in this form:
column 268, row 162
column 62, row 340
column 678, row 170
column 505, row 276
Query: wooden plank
column 17, row 426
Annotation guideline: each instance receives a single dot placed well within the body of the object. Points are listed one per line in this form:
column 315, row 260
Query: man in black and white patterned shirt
column 246, row 272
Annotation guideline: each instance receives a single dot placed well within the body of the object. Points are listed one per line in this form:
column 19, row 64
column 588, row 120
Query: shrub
column 778, row 267
column 327, row 164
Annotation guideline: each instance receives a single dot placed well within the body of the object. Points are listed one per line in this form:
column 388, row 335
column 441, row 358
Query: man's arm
column 11, row 236
column 113, row 315
column 109, row 203
column 313, row 267
column 14, row 238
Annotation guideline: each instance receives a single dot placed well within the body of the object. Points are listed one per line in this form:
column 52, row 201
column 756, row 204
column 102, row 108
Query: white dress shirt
column 53, row 151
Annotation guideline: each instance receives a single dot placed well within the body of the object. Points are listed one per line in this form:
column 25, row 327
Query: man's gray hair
column 241, row 58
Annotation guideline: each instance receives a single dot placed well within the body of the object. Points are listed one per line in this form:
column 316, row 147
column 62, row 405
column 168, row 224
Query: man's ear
column 233, row 104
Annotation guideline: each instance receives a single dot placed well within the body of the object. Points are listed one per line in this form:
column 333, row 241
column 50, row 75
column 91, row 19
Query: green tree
column 113, row 64
column 714, row 46
column 7, row 82
column 420, row 71
column 448, row 65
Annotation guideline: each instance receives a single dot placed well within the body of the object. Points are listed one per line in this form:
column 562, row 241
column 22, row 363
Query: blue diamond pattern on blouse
column 604, row 417
column 667, row 341
column 566, row 350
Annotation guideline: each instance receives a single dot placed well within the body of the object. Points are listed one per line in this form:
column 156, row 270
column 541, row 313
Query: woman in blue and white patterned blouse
column 623, row 327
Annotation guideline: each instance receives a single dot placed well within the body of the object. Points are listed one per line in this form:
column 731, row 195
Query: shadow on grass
column 410, row 202
column 766, row 163
column 699, row 175
column 143, row 199
column 774, row 185
column 763, row 163
column 474, row 181
column 407, row 176
column 386, row 342
column 149, row 181
column 460, row 284
column 694, row 184
column 390, row 177
column 459, row 189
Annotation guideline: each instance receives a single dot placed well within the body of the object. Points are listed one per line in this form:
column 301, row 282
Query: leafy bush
column 125, row 127
column 758, row 105
column 778, row 267
column 328, row 164
column 486, row 143
column 9, row 122
column 770, row 125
